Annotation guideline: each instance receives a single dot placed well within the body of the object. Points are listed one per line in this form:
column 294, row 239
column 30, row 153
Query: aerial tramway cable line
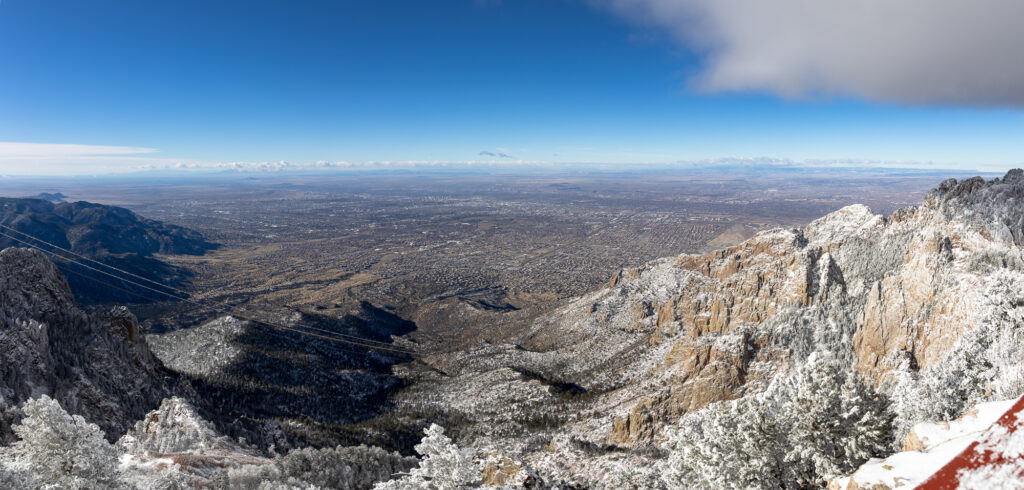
column 258, row 323
column 182, row 295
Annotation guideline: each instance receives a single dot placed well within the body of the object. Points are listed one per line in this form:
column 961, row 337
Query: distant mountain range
column 50, row 196
column 110, row 234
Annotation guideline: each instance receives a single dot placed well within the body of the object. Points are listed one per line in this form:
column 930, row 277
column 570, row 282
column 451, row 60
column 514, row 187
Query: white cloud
column 955, row 52
column 47, row 151
column 44, row 159
column 72, row 160
column 19, row 158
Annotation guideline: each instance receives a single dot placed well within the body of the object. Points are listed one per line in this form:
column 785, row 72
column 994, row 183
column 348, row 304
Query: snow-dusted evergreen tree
column 985, row 363
column 270, row 485
column 12, row 478
column 62, row 451
column 444, row 466
column 733, row 444
column 1005, row 298
column 833, row 421
column 944, row 390
column 820, row 421
column 170, row 479
column 340, row 468
column 629, row 476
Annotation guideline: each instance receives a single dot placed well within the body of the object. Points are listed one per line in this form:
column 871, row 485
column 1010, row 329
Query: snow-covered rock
column 175, row 437
column 995, row 460
column 928, row 447
column 924, row 302
column 96, row 364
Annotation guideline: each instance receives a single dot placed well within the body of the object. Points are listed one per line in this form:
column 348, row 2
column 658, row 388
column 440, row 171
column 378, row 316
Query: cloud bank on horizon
column 21, row 158
column 49, row 160
column 919, row 52
column 53, row 159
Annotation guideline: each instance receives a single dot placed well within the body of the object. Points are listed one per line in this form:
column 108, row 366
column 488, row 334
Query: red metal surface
column 974, row 457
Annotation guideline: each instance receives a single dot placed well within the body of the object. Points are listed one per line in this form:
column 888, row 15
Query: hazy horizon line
column 269, row 169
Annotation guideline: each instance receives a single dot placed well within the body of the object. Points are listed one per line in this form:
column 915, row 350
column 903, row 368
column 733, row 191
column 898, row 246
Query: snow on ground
column 994, row 461
column 931, row 445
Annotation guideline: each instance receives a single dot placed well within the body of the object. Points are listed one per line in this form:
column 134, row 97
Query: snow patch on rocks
column 928, row 447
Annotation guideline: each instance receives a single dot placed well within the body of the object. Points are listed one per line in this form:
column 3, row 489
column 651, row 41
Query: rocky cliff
column 174, row 447
column 95, row 364
column 903, row 288
column 613, row 368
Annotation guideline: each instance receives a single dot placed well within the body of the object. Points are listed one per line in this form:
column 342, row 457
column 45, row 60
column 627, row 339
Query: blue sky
column 204, row 82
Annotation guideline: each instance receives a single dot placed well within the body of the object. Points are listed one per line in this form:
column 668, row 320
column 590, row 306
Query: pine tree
column 726, row 445
column 444, row 466
column 984, row 363
column 12, row 478
column 820, row 421
column 835, row 421
column 63, row 451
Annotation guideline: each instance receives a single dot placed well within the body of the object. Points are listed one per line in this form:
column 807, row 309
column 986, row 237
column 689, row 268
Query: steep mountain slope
column 97, row 364
column 110, row 234
column 607, row 373
column 95, row 229
column 94, row 363
column 282, row 387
